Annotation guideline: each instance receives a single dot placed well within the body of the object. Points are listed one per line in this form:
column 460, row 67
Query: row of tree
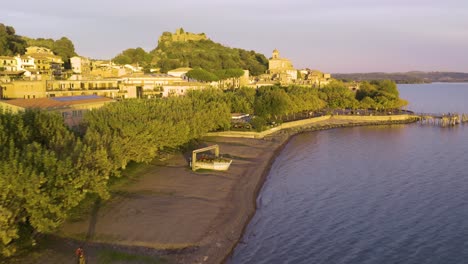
column 203, row 75
column 272, row 102
column 46, row 170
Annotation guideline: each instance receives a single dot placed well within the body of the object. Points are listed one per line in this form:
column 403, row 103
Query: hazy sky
column 330, row 35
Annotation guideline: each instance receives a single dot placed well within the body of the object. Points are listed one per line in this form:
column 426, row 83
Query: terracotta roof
column 181, row 70
column 56, row 102
column 44, row 56
column 7, row 58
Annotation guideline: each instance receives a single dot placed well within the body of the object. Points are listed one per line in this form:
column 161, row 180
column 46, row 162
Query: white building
column 26, row 63
column 80, row 65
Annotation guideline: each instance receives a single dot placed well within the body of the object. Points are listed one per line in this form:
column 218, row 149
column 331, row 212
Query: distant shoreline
column 406, row 77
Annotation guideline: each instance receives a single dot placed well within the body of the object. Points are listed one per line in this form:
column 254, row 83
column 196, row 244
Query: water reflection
column 386, row 194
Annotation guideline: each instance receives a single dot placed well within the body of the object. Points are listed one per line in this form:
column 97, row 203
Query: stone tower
column 275, row 54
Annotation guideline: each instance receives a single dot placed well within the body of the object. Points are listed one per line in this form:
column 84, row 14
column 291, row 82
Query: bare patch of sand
column 170, row 206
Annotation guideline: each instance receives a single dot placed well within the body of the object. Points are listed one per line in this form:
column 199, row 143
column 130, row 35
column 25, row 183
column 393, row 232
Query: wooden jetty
column 443, row 120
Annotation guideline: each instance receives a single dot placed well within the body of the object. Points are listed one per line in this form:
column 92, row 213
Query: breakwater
column 443, row 120
column 326, row 121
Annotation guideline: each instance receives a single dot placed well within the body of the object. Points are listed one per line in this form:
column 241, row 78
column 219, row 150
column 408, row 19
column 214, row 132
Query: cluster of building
column 36, row 62
column 37, row 80
column 281, row 71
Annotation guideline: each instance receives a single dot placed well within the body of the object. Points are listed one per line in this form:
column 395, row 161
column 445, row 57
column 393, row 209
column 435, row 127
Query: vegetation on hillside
column 204, row 54
column 207, row 55
column 62, row 47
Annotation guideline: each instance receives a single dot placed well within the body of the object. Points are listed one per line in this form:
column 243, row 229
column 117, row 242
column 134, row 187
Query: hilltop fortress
column 181, row 36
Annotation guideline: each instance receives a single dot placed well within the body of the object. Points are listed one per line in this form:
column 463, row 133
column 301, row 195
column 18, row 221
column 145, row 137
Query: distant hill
column 405, row 77
column 184, row 49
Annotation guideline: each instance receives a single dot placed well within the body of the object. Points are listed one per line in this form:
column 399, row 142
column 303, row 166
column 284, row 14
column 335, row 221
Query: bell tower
column 275, row 54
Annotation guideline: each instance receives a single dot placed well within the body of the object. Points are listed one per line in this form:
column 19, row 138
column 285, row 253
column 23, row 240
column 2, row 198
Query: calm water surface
column 387, row 194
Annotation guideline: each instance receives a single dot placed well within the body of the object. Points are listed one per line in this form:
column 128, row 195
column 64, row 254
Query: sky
column 329, row 35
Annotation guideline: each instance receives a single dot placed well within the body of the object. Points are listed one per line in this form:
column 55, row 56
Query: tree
column 272, row 102
column 338, row 96
column 202, row 75
column 381, row 94
column 10, row 43
column 242, row 100
column 64, row 48
column 134, row 56
column 45, row 171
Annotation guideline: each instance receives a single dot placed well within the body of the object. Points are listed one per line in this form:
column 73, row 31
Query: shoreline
column 170, row 206
column 290, row 134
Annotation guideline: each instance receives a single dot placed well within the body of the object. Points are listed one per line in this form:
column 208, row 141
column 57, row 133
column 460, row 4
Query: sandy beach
column 180, row 215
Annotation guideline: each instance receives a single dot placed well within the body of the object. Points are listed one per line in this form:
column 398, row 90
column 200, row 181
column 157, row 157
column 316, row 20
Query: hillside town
column 38, row 78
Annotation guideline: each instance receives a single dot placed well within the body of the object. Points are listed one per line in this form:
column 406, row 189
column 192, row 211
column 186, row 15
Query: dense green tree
column 242, row 100
column 207, row 55
column 202, row 75
column 40, row 42
column 44, row 173
column 338, row 96
column 384, row 95
column 134, row 56
column 62, row 47
column 10, row 43
column 224, row 74
column 305, row 99
column 272, row 102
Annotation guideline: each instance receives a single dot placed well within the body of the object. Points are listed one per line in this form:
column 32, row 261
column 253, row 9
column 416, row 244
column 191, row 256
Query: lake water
column 386, row 194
